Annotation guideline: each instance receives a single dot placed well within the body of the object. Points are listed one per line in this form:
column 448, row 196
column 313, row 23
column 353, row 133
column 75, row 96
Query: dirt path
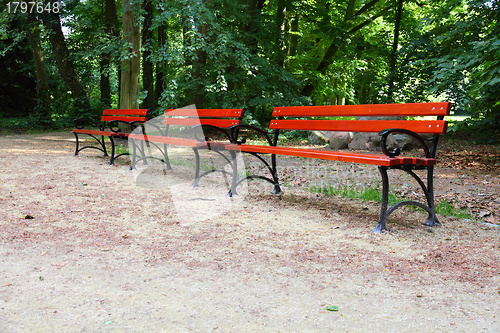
column 83, row 249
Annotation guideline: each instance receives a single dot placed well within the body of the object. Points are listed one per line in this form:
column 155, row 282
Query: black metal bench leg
column 165, row 156
column 274, row 173
column 133, row 156
column 382, row 221
column 197, row 172
column 112, row 158
column 77, row 144
column 432, row 219
column 103, row 145
column 234, row 180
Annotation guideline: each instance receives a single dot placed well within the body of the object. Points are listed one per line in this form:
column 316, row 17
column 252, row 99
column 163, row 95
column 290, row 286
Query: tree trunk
column 280, row 27
column 147, row 64
column 129, row 86
column 64, row 62
column 254, row 8
column 42, row 84
column 160, row 69
column 198, row 63
column 393, row 57
column 110, row 27
column 294, row 28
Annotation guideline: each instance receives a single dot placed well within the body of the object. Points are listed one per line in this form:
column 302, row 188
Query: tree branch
column 370, row 20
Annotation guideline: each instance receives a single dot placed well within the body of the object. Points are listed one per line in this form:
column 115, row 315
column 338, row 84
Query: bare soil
column 84, row 249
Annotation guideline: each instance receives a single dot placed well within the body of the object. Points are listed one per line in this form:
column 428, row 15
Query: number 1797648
column 33, row 7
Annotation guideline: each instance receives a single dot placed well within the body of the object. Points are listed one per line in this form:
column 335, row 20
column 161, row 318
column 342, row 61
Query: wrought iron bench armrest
column 80, row 123
column 385, row 134
column 234, row 130
column 205, row 138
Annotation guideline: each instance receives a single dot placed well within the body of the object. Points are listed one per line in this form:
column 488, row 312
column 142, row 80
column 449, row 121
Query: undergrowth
column 373, row 193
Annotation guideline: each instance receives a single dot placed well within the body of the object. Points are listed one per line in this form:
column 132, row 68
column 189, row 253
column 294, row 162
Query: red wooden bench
column 218, row 120
column 292, row 118
column 109, row 128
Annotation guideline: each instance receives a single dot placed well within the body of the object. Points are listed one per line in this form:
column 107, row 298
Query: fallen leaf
column 484, row 213
column 59, row 265
column 491, row 219
column 332, row 308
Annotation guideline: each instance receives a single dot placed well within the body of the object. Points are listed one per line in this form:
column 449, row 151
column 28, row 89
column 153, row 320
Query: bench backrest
column 216, row 117
column 125, row 115
column 287, row 117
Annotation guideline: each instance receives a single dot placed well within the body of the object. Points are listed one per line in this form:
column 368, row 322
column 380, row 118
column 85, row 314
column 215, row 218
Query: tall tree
column 393, row 55
column 112, row 32
column 64, row 62
column 147, row 62
column 42, row 83
column 160, row 66
column 131, row 62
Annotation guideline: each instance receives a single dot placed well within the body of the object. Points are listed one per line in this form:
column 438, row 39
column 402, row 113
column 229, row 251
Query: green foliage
column 210, row 62
column 17, row 86
column 457, row 57
column 373, row 193
column 447, row 209
column 369, row 193
column 261, row 54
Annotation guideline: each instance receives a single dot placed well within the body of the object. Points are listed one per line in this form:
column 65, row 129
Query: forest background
column 72, row 58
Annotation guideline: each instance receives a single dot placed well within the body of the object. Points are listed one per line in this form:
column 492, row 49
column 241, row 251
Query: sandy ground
column 84, row 249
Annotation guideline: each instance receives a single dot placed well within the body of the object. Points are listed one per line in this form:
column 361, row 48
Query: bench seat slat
column 374, row 159
column 408, row 109
column 130, row 112
column 418, row 126
column 197, row 121
column 169, row 140
column 209, row 113
column 123, row 118
column 97, row 132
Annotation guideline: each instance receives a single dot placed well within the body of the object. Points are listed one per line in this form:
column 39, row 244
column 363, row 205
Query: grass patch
column 371, row 193
column 374, row 193
column 447, row 209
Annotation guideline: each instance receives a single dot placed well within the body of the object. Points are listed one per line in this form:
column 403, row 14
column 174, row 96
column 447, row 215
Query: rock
column 405, row 142
column 335, row 140
column 318, row 137
column 339, row 140
column 370, row 141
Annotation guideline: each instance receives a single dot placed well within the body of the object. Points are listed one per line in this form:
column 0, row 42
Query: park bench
column 405, row 119
column 197, row 121
column 109, row 127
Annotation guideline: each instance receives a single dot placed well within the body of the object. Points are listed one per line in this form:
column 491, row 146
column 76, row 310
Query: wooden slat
column 97, row 132
column 197, row 121
column 418, row 126
column 374, row 159
column 123, row 118
column 210, row 113
column 417, row 161
column 121, row 112
column 92, row 132
column 324, row 155
column 408, row 109
column 168, row 140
